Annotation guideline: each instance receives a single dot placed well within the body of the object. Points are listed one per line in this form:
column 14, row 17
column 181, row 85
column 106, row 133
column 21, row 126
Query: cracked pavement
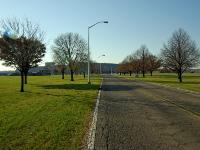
column 134, row 115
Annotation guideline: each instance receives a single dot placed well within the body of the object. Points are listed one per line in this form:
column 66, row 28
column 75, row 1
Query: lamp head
column 105, row 22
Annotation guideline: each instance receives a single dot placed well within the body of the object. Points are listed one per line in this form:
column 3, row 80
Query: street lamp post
column 100, row 64
column 89, row 47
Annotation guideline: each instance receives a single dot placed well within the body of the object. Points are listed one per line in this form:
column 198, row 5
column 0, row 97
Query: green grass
column 51, row 114
column 191, row 81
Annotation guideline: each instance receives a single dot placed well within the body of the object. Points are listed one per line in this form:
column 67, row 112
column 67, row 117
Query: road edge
column 164, row 85
column 92, row 130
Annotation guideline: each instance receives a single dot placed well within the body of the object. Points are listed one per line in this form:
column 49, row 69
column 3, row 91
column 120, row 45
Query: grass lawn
column 51, row 114
column 191, row 81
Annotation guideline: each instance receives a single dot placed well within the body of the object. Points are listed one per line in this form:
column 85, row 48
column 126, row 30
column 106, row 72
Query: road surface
column 134, row 115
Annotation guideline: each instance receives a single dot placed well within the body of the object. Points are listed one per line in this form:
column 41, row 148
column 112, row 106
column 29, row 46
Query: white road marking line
column 92, row 131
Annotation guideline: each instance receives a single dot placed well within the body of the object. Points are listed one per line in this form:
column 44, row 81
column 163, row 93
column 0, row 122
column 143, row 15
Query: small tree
column 60, row 60
column 61, row 68
column 94, row 67
column 142, row 54
column 136, row 63
column 82, row 65
column 128, row 64
column 21, row 46
column 153, row 63
column 73, row 47
column 181, row 53
column 35, row 51
column 122, row 68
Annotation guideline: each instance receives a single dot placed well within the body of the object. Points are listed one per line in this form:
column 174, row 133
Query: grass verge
column 191, row 81
column 51, row 114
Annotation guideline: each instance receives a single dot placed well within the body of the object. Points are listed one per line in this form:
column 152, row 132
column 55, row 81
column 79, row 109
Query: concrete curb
column 92, row 131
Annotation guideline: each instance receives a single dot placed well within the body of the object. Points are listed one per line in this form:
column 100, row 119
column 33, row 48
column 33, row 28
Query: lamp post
column 100, row 63
column 89, row 47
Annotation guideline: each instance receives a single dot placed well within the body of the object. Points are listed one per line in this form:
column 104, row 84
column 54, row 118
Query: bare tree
column 142, row 54
column 153, row 63
column 35, row 51
column 73, row 47
column 61, row 68
column 140, row 61
column 136, row 64
column 60, row 59
column 180, row 53
column 128, row 63
column 94, row 67
column 82, row 66
column 21, row 46
column 122, row 68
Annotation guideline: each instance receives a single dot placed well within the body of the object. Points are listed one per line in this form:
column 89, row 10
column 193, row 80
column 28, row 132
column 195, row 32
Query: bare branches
column 140, row 61
column 153, row 63
column 16, row 28
column 69, row 49
column 180, row 53
column 21, row 45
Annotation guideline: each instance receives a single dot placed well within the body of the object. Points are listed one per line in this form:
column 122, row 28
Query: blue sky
column 131, row 22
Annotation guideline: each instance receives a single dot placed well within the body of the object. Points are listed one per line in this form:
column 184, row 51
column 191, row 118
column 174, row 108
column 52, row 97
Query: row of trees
column 178, row 55
column 140, row 61
column 22, row 47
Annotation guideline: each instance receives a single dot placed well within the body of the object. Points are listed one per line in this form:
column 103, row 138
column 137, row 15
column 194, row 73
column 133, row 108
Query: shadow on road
column 116, row 88
column 72, row 86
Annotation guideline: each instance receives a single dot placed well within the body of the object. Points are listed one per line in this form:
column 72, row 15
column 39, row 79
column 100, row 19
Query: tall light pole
column 100, row 63
column 89, row 47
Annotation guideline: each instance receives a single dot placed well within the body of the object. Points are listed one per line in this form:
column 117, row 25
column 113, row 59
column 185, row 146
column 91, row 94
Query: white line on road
column 92, row 130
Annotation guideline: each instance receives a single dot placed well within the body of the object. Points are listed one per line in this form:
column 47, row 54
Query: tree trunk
column 180, row 77
column 130, row 73
column 151, row 73
column 120, row 73
column 72, row 75
column 84, row 74
column 63, row 74
column 25, row 75
column 143, row 73
column 22, row 81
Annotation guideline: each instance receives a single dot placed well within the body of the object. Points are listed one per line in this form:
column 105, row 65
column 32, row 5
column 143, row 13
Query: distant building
column 6, row 73
column 50, row 69
column 40, row 70
column 197, row 70
column 108, row 68
column 104, row 68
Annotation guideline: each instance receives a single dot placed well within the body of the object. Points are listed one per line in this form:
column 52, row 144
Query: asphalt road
column 134, row 115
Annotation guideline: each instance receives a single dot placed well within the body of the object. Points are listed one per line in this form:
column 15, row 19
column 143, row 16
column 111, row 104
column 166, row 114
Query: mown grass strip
column 191, row 81
column 51, row 114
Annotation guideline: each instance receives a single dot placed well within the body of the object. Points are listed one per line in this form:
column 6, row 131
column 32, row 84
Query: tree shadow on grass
column 49, row 94
column 67, row 98
column 72, row 86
